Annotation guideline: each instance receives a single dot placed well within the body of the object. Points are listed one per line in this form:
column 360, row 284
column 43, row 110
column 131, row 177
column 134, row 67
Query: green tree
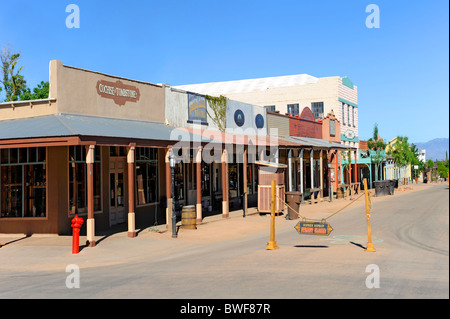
column 401, row 152
column 39, row 92
column 376, row 144
column 415, row 161
column 13, row 82
column 442, row 170
column 430, row 166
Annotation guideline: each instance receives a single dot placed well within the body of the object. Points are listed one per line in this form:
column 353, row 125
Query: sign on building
column 197, row 108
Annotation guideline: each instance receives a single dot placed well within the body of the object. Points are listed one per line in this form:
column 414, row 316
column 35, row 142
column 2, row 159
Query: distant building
column 422, row 156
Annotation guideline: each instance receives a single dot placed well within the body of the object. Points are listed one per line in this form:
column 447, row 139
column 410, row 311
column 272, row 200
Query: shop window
column 78, row 180
column 146, row 175
column 250, row 168
column 233, row 179
column 206, row 180
column 179, row 181
column 23, row 182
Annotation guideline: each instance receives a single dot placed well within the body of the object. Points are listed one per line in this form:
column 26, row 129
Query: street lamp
column 172, row 163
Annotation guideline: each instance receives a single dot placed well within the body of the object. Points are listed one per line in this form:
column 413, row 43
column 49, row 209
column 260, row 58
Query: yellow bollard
column 370, row 247
column 272, row 245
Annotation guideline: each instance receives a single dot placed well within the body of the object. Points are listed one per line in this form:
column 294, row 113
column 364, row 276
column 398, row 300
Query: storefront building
column 99, row 148
column 291, row 95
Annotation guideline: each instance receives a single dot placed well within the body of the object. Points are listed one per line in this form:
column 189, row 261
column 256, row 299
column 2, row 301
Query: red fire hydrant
column 77, row 222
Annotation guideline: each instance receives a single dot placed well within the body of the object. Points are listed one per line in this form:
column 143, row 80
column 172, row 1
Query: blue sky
column 401, row 69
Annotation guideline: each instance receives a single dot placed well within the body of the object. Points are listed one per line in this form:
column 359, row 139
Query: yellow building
column 392, row 170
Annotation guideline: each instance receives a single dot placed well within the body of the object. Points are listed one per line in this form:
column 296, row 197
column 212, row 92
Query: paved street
column 227, row 258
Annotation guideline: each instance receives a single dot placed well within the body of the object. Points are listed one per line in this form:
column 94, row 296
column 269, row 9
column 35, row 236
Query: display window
column 23, row 182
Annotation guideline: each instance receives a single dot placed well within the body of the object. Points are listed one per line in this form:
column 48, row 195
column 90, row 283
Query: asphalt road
column 410, row 234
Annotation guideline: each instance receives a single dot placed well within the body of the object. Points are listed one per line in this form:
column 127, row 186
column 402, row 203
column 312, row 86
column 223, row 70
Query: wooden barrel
column 340, row 192
column 188, row 217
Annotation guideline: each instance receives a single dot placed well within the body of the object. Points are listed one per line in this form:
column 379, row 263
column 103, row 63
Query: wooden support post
column 321, row 174
column 90, row 224
column 272, row 245
column 301, row 173
column 168, row 190
column 198, row 158
column 225, row 207
column 370, row 247
column 131, row 192
column 245, row 181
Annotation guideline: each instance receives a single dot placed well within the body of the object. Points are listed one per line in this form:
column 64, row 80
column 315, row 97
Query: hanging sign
column 313, row 228
column 118, row 91
column 197, row 108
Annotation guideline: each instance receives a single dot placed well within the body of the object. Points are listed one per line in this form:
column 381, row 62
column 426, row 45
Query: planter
column 382, row 188
column 392, row 186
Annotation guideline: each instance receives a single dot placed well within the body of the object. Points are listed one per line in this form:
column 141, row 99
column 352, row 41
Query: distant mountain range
column 435, row 149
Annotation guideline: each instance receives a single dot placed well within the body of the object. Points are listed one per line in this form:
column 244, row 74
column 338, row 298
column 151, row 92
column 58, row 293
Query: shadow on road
column 359, row 245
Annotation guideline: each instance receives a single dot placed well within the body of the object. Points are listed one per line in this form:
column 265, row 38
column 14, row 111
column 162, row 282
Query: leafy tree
column 39, row 92
column 442, row 170
column 415, row 161
column 376, row 144
column 13, row 82
column 401, row 152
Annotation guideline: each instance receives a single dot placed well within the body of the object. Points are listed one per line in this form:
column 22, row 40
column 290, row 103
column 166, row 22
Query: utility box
column 268, row 172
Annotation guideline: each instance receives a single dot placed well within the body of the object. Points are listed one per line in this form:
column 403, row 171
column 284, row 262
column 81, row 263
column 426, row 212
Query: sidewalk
column 51, row 252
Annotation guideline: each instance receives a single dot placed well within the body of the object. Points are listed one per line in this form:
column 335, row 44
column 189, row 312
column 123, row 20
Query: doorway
column 118, row 190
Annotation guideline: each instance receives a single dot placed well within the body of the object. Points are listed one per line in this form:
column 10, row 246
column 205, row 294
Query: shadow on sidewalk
column 15, row 240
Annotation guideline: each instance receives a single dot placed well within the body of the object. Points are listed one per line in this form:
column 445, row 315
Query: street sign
column 313, row 228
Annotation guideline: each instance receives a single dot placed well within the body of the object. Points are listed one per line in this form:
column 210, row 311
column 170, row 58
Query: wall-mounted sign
column 314, row 228
column 349, row 134
column 259, row 121
column 118, row 91
column 239, row 118
column 197, row 108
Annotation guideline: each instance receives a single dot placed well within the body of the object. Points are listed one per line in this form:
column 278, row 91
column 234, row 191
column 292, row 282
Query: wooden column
column 225, row 207
column 131, row 192
column 290, row 172
column 168, row 189
column 198, row 160
column 90, row 223
column 311, row 160
column 355, row 170
column 245, row 205
column 301, row 172
column 350, row 172
column 336, row 173
column 321, row 173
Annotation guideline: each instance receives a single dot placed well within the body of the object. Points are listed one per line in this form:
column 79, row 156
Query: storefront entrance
column 117, row 190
